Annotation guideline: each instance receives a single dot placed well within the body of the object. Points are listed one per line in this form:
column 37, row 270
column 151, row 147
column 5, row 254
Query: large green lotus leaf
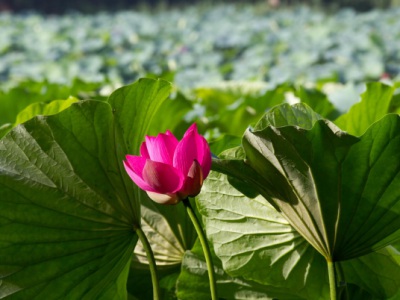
column 193, row 282
column 233, row 159
column 67, row 208
column 135, row 107
column 255, row 242
column 66, row 219
column 331, row 186
column 375, row 103
column 370, row 190
column 288, row 180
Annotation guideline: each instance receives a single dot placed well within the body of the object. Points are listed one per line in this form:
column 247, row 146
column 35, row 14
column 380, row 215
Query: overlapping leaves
column 193, row 282
column 340, row 192
column 254, row 241
column 67, row 211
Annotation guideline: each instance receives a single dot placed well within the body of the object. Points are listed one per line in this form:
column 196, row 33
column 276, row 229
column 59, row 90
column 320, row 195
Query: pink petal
column 163, row 198
column 162, row 147
column 149, row 139
column 192, row 127
column 185, row 153
column 143, row 151
column 168, row 132
column 163, row 178
column 203, row 155
column 134, row 167
column 192, row 147
column 193, row 182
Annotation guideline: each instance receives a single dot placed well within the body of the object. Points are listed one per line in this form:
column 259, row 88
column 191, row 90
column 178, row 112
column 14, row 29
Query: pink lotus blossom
column 170, row 170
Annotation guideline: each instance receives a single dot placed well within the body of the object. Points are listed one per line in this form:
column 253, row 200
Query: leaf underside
column 67, row 206
column 332, row 187
column 255, row 242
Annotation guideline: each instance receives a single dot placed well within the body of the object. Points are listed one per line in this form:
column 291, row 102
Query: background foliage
column 201, row 45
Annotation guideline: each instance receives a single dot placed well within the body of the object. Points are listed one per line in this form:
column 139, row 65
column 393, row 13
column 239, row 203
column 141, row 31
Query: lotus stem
column 205, row 246
column 341, row 282
column 152, row 262
column 332, row 279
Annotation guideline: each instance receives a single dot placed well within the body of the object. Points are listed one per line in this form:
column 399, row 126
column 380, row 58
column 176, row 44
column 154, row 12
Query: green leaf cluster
column 339, row 194
column 300, row 187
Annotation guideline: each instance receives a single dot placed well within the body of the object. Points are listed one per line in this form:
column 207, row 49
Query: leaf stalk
column 332, row 279
column 205, row 246
column 152, row 262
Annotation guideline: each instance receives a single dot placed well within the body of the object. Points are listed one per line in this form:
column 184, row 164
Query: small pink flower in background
column 170, row 170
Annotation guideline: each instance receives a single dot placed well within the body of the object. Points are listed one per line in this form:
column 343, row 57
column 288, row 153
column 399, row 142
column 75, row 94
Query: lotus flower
column 170, row 170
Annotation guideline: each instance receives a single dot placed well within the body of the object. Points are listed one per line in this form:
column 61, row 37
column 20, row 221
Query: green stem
column 152, row 262
column 332, row 279
column 341, row 282
column 206, row 248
